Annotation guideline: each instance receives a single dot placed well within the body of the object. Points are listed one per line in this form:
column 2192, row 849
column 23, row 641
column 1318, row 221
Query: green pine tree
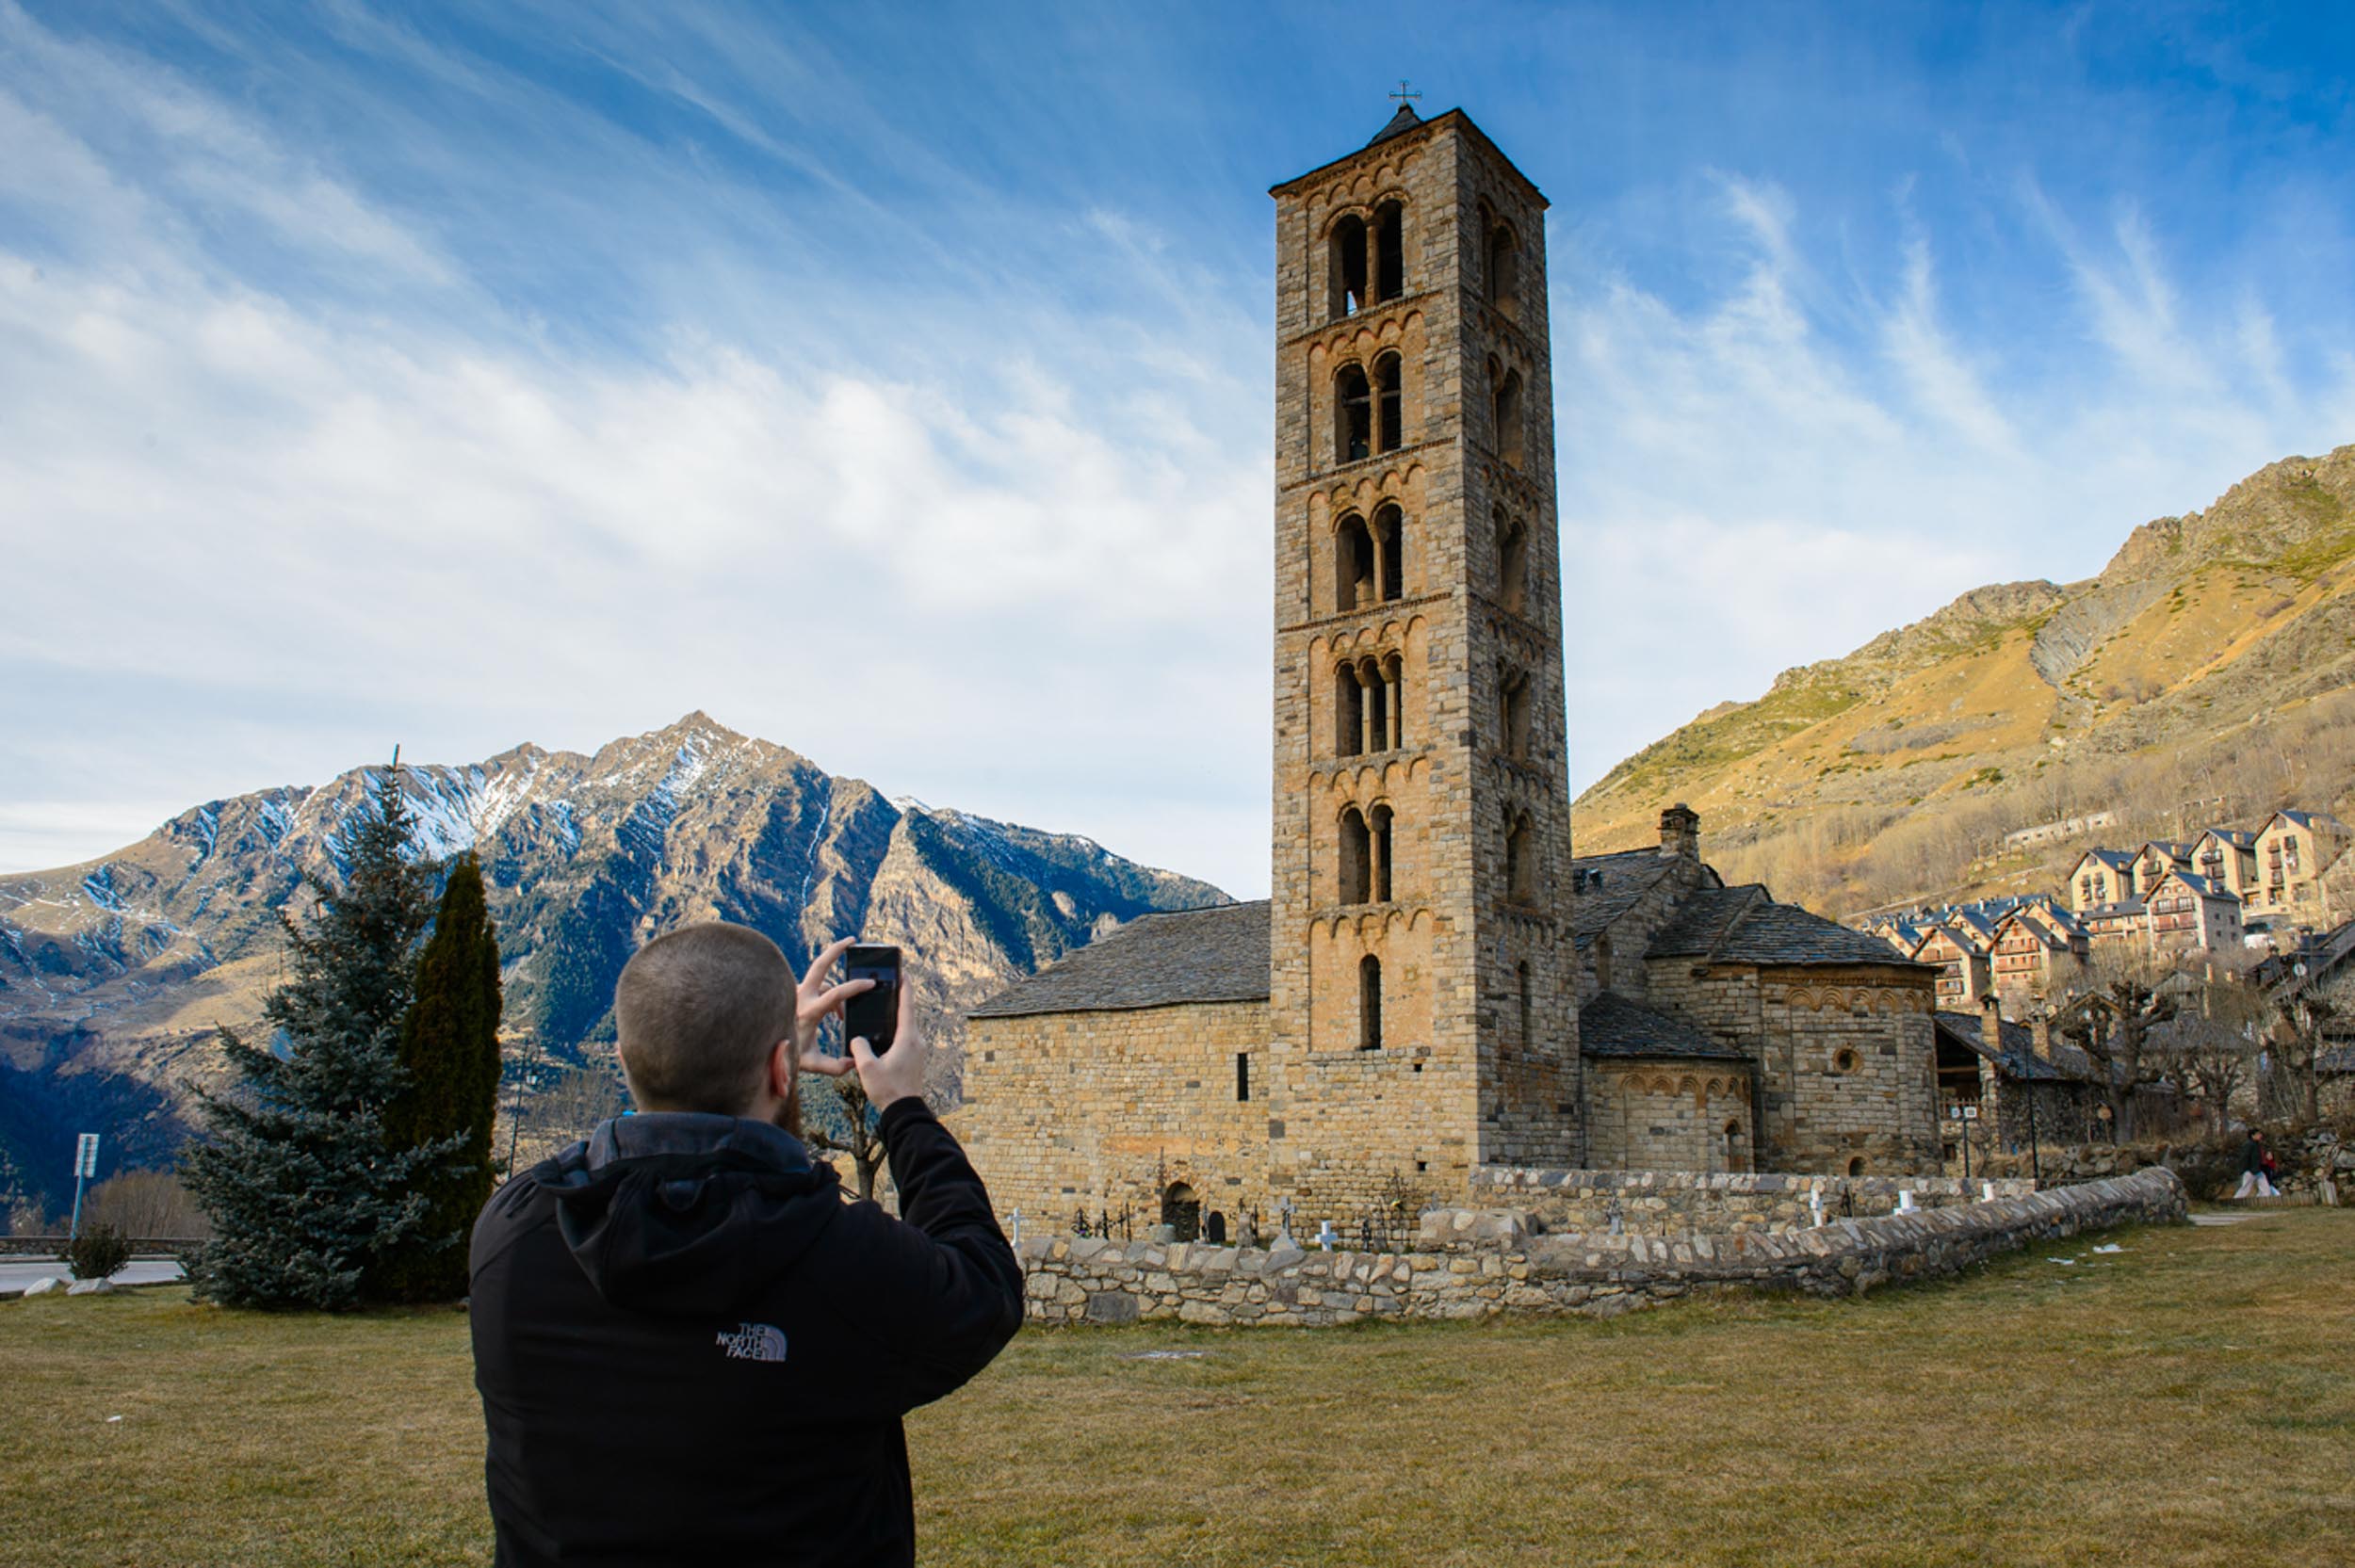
column 304, row 1190
column 449, row 1054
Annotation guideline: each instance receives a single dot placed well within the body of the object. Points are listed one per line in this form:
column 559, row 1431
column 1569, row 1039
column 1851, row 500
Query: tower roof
column 1403, row 120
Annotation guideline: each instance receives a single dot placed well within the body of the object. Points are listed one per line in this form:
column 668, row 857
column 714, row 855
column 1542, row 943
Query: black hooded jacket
column 690, row 1350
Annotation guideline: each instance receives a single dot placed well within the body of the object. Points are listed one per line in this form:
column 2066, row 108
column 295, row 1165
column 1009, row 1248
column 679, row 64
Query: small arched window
column 1521, row 877
column 1734, row 1146
column 1369, row 1003
column 1389, row 533
column 1349, row 732
column 1514, row 716
column 1389, row 251
column 1352, row 566
column 1502, row 266
column 1381, row 854
column 1353, row 415
column 1511, row 439
column 1512, row 565
column 1387, row 382
column 1520, row 977
column 1356, row 858
column 1855, row 1166
column 1349, row 266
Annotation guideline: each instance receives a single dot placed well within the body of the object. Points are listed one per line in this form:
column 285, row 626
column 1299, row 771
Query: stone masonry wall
column 1103, row 1110
column 1091, row 1281
column 1676, row 1202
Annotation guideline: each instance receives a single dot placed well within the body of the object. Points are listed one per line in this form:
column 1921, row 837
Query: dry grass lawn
column 2189, row 1400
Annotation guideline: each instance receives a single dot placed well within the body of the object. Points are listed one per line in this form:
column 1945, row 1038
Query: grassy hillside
column 2204, row 674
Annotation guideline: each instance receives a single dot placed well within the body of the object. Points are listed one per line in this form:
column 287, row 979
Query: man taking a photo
column 689, row 1347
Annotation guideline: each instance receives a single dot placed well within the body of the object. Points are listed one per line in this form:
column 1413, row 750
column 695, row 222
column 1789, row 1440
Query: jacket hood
column 687, row 1215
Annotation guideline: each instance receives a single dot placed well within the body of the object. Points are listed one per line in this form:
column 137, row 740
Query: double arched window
column 1369, row 415
column 1368, row 706
column 1500, row 267
column 1369, row 564
column 1369, row 259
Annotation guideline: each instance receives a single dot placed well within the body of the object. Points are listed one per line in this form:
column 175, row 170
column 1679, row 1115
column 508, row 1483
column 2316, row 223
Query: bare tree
column 147, row 1204
column 2213, row 1042
column 2302, row 1019
column 2109, row 1010
column 838, row 1115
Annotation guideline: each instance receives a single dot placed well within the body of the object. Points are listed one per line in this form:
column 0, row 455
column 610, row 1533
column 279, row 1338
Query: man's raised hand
column 899, row 1073
column 815, row 1001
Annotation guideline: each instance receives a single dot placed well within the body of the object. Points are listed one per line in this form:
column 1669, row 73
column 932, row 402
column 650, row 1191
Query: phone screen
column 872, row 1015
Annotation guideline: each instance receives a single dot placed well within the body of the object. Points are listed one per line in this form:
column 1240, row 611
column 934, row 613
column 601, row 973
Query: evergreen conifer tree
column 449, row 1054
column 303, row 1191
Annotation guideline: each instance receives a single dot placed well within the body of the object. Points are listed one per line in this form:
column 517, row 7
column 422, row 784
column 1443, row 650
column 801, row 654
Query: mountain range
column 115, row 974
column 2204, row 675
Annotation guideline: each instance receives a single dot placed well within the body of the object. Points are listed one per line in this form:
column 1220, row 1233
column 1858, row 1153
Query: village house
column 2190, row 915
column 2227, row 857
column 2034, row 957
column 2100, row 877
column 1436, row 985
column 2154, row 860
column 2293, row 850
column 1965, row 970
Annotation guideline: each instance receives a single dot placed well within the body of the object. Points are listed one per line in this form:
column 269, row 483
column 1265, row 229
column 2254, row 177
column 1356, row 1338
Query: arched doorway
column 1181, row 1211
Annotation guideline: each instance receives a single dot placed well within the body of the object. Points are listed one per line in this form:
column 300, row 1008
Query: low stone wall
column 180, row 1247
column 1086, row 1280
column 1676, row 1202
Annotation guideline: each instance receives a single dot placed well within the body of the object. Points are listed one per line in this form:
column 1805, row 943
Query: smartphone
column 872, row 1015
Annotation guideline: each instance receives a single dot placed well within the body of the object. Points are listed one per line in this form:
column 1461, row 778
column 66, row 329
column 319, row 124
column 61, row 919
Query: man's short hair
column 698, row 1010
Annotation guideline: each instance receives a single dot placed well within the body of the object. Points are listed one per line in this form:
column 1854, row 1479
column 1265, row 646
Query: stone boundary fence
column 1088, row 1280
column 1668, row 1203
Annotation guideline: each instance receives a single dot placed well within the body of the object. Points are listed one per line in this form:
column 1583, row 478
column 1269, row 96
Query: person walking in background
column 2256, row 1168
column 689, row 1347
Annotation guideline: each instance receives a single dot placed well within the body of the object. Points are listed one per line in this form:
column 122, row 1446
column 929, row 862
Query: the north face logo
column 753, row 1342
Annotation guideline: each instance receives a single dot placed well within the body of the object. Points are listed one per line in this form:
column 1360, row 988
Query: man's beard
column 789, row 1115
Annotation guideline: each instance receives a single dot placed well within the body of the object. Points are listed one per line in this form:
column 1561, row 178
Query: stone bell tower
column 1423, row 984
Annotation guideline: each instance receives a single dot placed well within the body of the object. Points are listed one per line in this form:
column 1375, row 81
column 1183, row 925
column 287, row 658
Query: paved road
column 16, row 1273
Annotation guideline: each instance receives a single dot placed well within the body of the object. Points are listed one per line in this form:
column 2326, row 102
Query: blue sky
column 374, row 373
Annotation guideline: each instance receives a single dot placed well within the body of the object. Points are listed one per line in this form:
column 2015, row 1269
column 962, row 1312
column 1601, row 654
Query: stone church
column 1436, row 984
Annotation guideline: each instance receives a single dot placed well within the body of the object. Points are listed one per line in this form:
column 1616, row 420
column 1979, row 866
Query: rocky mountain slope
column 114, row 974
column 2202, row 673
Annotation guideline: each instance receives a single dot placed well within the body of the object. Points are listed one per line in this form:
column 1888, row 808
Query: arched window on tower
column 1356, row 858
column 1349, row 266
column 1512, row 565
column 1375, row 701
column 1520, row 875
column 1369, row 1003
column 1381, row 854
column 1502, row 266
column 1349, row 734
column 1394, row 689
column 1514, row 694
column 1511, row 438
column 1390, row 250
column 1389, row 533
column 1387, row 382
column 1353, row 414
column 1352, row 566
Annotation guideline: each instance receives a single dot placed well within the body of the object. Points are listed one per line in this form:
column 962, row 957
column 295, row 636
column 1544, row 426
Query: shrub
column 98, row 1252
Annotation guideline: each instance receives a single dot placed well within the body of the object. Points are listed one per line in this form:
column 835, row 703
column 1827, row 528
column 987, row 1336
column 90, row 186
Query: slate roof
column 1611, row 1026
column 1403, row 122
column 2017, row 1058
column 1605, row 886
column 1218, row 954
column 2201, row 886
column 1743, row 924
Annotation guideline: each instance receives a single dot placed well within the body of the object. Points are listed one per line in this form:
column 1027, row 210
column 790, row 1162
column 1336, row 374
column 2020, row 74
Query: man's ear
column 781, row 1069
